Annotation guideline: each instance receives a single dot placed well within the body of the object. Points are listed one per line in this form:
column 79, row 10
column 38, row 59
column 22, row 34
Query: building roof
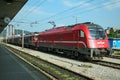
column 8, row 10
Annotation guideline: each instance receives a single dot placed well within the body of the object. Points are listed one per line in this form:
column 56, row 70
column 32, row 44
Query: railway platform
column 13, row 68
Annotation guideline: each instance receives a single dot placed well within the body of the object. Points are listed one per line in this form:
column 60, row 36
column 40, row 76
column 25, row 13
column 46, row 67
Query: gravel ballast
column 97, row 72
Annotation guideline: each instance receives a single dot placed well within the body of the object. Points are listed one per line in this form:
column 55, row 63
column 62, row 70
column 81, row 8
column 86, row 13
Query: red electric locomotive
column 30, row 40
column 86, row 39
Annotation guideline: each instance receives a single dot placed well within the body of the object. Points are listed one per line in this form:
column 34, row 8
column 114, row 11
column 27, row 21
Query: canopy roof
column 8, row 9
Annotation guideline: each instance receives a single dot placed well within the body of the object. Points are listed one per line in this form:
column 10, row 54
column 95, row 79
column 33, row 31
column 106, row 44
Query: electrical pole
column 76, row 19
column 22, row 38
column 6, row 33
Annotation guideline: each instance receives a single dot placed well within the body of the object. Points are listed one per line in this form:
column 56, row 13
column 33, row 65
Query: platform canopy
column 8, row 10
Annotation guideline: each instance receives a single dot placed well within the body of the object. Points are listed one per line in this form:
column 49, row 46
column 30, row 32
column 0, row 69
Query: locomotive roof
column 89, row 25
column 63, row 28
column 54, row 30
column 92, row 26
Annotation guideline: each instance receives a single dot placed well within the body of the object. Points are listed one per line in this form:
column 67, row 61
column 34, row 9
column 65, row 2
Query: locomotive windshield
column 97, row 32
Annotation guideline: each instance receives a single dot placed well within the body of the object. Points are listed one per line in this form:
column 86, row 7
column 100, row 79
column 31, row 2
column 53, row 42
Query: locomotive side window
column 81, row 34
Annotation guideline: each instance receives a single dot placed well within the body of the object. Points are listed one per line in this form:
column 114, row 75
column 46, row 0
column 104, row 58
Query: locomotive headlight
column 92, row 44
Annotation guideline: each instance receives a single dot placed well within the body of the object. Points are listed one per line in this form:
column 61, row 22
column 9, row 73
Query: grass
column 116, row 52
column 52, row 69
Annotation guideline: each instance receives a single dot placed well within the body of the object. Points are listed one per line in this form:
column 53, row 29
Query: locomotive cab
column 92, row 41
column 97, row 41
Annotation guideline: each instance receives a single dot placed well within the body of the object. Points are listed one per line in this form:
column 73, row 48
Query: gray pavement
column 13, row 68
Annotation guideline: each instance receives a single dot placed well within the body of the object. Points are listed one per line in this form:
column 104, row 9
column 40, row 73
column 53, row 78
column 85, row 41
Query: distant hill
column 17, row 31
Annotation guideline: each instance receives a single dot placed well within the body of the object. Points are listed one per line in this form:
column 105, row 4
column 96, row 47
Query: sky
column 36, row 14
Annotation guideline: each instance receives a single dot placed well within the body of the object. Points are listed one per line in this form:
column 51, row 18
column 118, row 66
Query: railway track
column 114, row 56
column 108, row 64
column 55, row 71
column 77, row 67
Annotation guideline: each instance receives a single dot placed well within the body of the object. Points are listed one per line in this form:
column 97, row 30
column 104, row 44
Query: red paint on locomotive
column 75, row 38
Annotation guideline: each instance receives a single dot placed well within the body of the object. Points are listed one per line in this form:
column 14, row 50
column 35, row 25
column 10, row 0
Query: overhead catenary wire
column 64, row 11
column 85, row 11
column 55, row 15
column 89, row 10
column 27, row 13
column 31, row 10
column 26, row 8
column 81, row 12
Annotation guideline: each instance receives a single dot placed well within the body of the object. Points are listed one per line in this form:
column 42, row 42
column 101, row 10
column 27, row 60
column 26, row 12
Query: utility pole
column 22, row 38
column 6, row 33
column 23, row 32
column 76, row 19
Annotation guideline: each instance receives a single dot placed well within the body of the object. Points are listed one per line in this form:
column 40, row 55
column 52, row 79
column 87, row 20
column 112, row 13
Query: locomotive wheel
column 75, row 53
column 80, row 57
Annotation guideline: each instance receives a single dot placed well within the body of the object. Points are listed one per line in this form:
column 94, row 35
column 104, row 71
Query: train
column 84, row 40
column 114, row 43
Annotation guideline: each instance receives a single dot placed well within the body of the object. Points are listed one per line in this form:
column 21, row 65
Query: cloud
column 85, row 4
column 50, row 0
column 112, row 4
column 69, row 3
column 37, row 11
